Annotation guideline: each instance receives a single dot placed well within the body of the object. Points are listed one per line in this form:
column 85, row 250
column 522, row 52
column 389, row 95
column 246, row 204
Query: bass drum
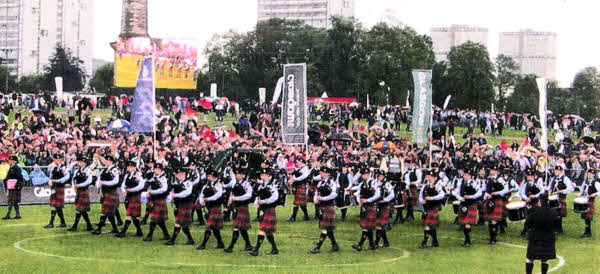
column 516, row 211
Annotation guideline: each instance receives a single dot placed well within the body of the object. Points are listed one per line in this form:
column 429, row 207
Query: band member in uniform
column 531, row 191
column 299, row 181
column 182, row 198
column 324, row 198
column 148, row 173
column 431, row 196
column 384, row 207
column 468, row 192
column 133, row 185
column 157, row 194
column 507, row 179
column 14, row 194
column 59, row 175
column 344, row 185
column 589, row 189
column 367, row 194
column 82, row 179
column 560, row 185
column 241, row 194
column 541, row 244
column 412, row 178
column 108, row 181
column 266, row 201
column 454, row 185
column 210, row 197
column 494, row 192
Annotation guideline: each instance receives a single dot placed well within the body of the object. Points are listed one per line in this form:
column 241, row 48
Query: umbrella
column 376, row 127
column 190, row 111
column 587, row 139
column 383, row 145
column 576, row 117
column 341, row 137
column 549, row 112
column 353, row 104
column 530, row 148
column 38, row 111
column 205, row 104
column 120, row 125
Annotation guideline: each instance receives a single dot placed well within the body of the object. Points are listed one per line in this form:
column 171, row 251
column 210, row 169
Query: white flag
column 277, row 91
column 262, row 95
column 407, row 97
column 541, row 83
column 447, row 101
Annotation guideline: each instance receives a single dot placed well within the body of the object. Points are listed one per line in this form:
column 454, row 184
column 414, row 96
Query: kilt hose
column 469, row 217
column 82, row 200
column 589, row 215
column 268, row 224
column 159, row 211
column 57, row 198
column 368, row 216
column 412, row 199
column 134, row 205
column 215, row 217
column 562, row 212
column 301, row 197
column 327, row 220
column 242, row 218
column 432, row 217
column 498, row 212
column 14, row 197
column 110, row 202
column 185, row 210
column 383, row 215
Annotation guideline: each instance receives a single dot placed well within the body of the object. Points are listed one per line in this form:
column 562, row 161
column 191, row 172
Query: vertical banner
column 142, row 112
column 262, row 95
column 277, row 92
column 493, row 108
column 407, row 98
column 294, row 111
column 421, row 105
column 58, row 81
column 213, row 90
column 447, row 102
column 368, row 103
column 542, row 83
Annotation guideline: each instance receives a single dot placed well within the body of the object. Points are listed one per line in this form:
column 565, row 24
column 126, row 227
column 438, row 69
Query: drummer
column 560, row 185
column 589, row 189
column 531, row 191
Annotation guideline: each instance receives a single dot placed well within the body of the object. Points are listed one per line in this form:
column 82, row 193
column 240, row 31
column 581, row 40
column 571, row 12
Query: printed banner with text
column 421, row 105
column 293, row 111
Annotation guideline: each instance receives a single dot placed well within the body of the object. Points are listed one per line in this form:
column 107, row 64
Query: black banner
column 294, row 110
column 40, row 195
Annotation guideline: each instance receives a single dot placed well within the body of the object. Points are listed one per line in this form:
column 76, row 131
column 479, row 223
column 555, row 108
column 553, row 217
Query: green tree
column 586, row 89
column 64, row 64
column 12, row 80
column 507, row 75
column 31, row 83
column 561, row 101
column 471, row 76
column 525, row 97
column 103, row 79
column 439, row 83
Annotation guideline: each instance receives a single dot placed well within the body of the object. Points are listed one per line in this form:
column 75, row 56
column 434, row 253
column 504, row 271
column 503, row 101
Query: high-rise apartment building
column 447, row 37
column 316, row 13
column 535, row 51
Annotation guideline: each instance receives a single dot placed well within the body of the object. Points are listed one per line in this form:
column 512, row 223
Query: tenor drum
column 553, row 201
column 580, row 205
column 516, row 210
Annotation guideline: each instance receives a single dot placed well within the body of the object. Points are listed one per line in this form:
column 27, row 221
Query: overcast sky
column 576, row 22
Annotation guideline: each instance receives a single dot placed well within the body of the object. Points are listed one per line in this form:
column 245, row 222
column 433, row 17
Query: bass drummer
column 560, row 185
column 589, row 189
column 531, row 191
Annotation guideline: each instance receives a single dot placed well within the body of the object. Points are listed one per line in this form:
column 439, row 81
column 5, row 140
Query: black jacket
column 541, row 239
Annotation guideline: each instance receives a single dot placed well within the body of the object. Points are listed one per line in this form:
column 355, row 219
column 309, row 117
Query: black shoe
column 586, row 235
column 17, row 217
column 49, row 226
column 373, row 247
column 147, row 239
column 170, row 243
column 254, row 252
column 190, row 242
column 7, row 217
column 273, row 252
column 491, row 242
column 201, row 247
column 306, row 218
column 291, row 219
column 89, row 228
column 386, row 244
column 316, row 250
column 466, row 244
column 97, row 232
column 335, row 248
column 120, row 235
column 423, row 246
column 248, row 248
column 72, row 229
column 114, row 231
column 139, row 234
column 228, row 250
column 62, row 225
column 435, row 244
column 165, row 238
column 357, row 247
column 220, row 245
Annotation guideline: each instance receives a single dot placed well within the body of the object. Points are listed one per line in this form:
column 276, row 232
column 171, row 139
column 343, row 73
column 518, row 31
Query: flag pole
column 153, row 110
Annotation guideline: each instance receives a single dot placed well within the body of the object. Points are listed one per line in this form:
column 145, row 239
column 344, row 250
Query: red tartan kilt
column 368, row 219
column 14, row 197
column 185, row 211
column 215, row 218
column 563, row 207
column 301, row 196
column 412, row 200
column 498, row 212
column 383, row 219
column 134, row 205
column 470, row 217
column 589, row 215
column 242, row 218
column 82, row 200
column 110, row 202
column 57, row 198
column 159, row 210
column 327, row 221
column 432, row 218
column 482, row 209
column 268, row 224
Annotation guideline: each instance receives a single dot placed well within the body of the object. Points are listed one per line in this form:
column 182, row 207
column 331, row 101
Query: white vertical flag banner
column 262, row 95
column 59, row 87
column 542, row 83
column 368, row 103
column 213, row 90
column 447, row 102
column 493, row 108
column 407, row 98
column 277, row 91
column 294, row 118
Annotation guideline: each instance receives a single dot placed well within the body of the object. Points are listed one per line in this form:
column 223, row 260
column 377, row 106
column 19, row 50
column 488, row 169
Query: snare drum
column 516, row 210
column 553, row 201
column 580, row 205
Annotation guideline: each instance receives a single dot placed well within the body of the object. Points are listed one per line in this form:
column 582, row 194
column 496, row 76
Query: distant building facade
column 447, row 37
column 535, row 51
column 316, row 13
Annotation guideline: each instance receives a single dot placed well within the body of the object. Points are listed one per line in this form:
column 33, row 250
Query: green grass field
column 26, row 247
